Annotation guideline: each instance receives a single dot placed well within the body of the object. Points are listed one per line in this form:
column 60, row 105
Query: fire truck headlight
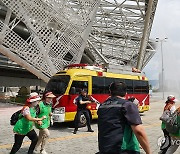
column 60, row 110
column 89, row 107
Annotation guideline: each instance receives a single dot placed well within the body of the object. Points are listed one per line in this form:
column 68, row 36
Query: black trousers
column 164, row 147
column 19, row 139
column 77, row 118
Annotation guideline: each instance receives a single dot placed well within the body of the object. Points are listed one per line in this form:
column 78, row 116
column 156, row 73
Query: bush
column 23, row 94
column 21, row 99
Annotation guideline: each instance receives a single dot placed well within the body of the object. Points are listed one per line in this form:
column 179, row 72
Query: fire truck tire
column 83, row 120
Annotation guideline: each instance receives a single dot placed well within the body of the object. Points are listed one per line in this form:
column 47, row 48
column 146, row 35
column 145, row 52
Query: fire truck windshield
column 58, row 84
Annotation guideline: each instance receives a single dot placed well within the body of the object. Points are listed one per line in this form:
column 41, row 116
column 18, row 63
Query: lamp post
column 162, row 60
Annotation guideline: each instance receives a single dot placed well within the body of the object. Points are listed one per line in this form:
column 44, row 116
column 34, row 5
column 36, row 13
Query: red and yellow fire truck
column 66, row 85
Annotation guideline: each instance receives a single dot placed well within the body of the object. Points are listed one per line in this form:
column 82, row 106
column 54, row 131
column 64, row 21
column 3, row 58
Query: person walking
column 45, row 109
column 24, row 126
column 119, row 124
column 175, row 137
column 169, row 107
column 82, row 102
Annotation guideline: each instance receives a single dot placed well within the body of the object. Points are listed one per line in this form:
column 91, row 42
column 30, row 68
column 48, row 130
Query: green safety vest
column 45, row 110
column 130, row 141
column 163, row 125
column 24, row 126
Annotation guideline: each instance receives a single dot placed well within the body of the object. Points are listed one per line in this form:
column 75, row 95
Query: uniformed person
column 119, row 124
column 82, row 102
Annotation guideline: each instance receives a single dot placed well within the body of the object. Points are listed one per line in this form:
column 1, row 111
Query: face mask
column 34, row 104
column 49, row 102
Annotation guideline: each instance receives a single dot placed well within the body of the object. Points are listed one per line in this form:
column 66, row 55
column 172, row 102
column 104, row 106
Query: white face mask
column 49, row 101
column 34, row 103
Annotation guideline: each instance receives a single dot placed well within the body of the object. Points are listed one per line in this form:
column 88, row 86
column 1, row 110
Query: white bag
column 165, row 116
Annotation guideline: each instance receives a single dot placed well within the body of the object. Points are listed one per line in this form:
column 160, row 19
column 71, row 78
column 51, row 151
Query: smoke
column 172, row 66
column 166, row 24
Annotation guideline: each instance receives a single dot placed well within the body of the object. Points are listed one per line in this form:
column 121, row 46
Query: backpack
column 165, row 116
column 172, row 125
column 15, row 117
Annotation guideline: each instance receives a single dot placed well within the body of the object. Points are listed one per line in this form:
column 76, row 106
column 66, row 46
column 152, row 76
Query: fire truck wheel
column 83, row 120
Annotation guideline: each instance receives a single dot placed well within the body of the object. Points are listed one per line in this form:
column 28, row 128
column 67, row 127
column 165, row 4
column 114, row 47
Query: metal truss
column 121, row 31
column 56, row 33
column 45, row 35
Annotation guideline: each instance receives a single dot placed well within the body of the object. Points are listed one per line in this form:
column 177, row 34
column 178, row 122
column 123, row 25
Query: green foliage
column 23, row 91
column 21, row 99
column 23, row 94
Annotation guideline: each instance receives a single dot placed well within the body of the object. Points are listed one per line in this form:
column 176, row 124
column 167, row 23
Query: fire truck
column 67, row 84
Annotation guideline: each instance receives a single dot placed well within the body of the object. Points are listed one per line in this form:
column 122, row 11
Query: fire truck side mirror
column 73, row 91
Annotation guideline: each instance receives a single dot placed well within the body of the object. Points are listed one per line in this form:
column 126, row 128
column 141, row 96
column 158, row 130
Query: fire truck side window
column 78, row 86
column 145, row 87
column 129, row 84
column 141, row 87
column 100, row 85
column 108, row 82
column 137, row 86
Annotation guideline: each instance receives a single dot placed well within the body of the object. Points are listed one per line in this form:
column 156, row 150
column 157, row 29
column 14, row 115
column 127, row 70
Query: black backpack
column 15, row 117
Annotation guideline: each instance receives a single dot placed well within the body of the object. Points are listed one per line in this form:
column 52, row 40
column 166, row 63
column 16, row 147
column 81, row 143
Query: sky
column 166, row 24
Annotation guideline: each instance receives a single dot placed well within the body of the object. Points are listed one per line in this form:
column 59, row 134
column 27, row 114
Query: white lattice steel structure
column 45, row 35
column 121, row 31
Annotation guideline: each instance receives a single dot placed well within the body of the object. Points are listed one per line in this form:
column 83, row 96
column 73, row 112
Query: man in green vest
column 45, row 109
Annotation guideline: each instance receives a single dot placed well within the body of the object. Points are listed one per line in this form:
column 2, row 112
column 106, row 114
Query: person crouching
column 24, row 126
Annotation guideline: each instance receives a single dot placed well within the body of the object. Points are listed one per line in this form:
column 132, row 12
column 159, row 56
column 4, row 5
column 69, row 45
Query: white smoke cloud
column 167, row 24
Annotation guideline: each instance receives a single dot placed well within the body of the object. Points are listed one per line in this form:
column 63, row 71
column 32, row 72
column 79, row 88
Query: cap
column 83, row 91
column 172, row 98
column 34, row 97
column 50, row 95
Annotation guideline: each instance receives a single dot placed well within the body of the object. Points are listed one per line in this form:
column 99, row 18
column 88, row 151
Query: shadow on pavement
column 67, row 126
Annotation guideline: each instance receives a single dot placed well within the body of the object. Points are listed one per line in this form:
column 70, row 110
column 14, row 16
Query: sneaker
column 43, row 152
column 90, row 130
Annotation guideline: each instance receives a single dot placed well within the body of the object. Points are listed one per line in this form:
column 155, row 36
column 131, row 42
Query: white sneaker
column 43, row 152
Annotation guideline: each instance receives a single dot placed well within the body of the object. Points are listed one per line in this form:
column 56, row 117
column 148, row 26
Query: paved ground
column 63, row 141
